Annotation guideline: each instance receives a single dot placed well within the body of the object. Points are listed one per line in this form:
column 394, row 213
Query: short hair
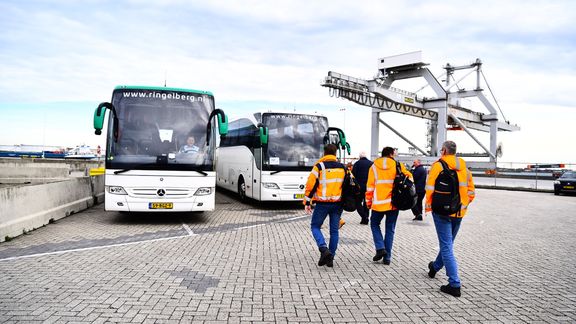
column 330, row 149
column 362, row 154
column 450, row 147
column 387, row 151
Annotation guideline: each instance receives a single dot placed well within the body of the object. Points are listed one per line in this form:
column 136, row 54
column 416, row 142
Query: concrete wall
column 33, row 192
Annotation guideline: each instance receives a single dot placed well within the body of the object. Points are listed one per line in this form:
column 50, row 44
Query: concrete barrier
column 36, row 192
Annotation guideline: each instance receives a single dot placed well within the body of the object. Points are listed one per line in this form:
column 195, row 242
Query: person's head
column 448, row 148
column 388, row 152
column 416, row 163
column 330, row 149
column 190, row 140
column 362, row 154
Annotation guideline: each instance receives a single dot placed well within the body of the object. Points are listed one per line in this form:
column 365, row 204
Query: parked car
column 566, row 183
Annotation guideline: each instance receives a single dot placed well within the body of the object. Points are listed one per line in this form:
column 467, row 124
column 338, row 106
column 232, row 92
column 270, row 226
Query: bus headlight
column 116, row 190
column 270, row 185
column 203, row 191
column 556, row 182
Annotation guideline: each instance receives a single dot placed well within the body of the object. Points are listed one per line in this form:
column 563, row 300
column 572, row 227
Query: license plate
column 298, row 196
column 160, row 205
column 568, row 187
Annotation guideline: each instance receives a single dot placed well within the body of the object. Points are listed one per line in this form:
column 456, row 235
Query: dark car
column 566, row 183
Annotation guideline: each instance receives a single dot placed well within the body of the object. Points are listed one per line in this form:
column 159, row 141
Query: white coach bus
column 160, row 149
column 268, row 156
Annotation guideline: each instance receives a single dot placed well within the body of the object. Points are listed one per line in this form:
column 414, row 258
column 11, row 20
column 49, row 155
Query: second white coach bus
column 268, row 156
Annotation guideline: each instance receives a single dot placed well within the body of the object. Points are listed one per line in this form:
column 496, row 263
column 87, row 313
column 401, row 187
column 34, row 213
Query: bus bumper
column 133, row 204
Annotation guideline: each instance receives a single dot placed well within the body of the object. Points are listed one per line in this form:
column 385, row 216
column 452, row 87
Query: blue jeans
column 446, row 229
column 321, row 211
column 386, row 241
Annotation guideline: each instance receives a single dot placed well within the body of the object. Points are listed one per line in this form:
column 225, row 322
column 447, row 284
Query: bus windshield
column 295, row 141
column 160, row 129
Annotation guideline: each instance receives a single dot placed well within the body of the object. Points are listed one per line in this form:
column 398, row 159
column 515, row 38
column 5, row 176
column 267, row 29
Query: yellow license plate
column 568, row 187
column 298, row 196
column 160, row 205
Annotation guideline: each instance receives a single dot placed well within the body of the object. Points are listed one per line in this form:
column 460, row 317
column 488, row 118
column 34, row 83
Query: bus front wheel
column 242, row 189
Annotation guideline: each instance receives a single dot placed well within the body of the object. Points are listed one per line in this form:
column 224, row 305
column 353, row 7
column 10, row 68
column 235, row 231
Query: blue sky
column 59, row 59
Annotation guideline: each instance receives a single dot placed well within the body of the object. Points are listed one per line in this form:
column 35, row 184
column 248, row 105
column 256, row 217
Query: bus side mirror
column 348, row 148
column 341, row 136
column 100, row 114
column 263, row 134
column 222, row 124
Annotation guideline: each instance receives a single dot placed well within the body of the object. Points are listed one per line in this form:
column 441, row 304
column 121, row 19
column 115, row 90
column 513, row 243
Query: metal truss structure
column 443, row 111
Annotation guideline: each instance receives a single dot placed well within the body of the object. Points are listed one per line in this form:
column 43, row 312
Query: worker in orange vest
column 324, row 186
column 447, row 226
column 379, row 199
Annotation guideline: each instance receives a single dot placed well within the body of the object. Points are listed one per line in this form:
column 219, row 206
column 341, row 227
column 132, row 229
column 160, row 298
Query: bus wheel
column 242, row 189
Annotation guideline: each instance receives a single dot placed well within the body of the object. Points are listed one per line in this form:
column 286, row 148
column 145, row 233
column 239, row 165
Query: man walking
column 360, row 172
column 324, row 186
column 447, row 224
column 379, row 199
column 419, row 174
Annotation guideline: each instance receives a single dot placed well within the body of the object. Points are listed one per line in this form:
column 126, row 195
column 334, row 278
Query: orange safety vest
column 380, row 183
column 325, row 181
column 465, row 183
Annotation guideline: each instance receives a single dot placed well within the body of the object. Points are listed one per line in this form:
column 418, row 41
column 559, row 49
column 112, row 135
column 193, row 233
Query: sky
column 60, row 59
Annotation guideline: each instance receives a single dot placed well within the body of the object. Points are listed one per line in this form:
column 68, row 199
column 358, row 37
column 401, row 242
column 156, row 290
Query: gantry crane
column 443, row 110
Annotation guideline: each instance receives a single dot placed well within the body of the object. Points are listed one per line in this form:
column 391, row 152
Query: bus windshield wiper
column 151, row 164
column 274, row 172
column 134, row 168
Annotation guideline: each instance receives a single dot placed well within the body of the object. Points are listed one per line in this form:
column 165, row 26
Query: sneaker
column 386, row 262
column 451, row 290
column 330, row 261
column 364, row 221
column 342, row 223
column 417, row 218
column 324, row 256
column 379, row 255
column 431, row 272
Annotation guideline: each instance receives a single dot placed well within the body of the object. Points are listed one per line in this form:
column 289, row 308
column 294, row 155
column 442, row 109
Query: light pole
column 344, row 111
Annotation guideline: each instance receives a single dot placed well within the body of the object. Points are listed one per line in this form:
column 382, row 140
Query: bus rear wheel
column 242, row 189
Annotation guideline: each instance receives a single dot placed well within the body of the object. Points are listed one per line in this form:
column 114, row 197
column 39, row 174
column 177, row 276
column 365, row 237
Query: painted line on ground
column 92, row 248
column 342, row 287
column 188, row 229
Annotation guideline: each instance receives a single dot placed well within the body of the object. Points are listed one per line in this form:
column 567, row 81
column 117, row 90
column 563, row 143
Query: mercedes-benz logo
column 161, row 179
column 161, row 192
column 301, row 186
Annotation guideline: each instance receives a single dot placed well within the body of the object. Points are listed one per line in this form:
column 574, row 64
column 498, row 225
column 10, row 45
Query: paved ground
column 257, row 263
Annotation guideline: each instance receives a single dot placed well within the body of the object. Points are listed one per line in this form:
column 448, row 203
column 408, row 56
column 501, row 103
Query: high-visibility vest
column 325, row 181
column 465, row 183
column 380, row 183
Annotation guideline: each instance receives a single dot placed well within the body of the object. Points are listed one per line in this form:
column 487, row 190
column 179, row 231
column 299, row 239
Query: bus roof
column 129, row 87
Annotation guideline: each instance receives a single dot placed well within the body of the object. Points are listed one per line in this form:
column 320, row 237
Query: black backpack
column 351, row 192
column 404, row 194
column 446, row 195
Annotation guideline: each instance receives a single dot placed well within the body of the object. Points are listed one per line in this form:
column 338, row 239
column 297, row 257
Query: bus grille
column 168, row 192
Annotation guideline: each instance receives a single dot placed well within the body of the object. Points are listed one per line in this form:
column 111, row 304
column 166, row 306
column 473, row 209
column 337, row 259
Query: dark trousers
column 417, row 209
column 361, row 207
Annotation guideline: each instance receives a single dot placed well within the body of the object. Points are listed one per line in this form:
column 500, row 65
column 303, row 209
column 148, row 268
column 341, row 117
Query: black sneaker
column 330, row 261
column 364, row 221
column 324, row 256
column 431, row 272
column 451, row 290
column 386, row 262
column 417, row 218
column 379, row 255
